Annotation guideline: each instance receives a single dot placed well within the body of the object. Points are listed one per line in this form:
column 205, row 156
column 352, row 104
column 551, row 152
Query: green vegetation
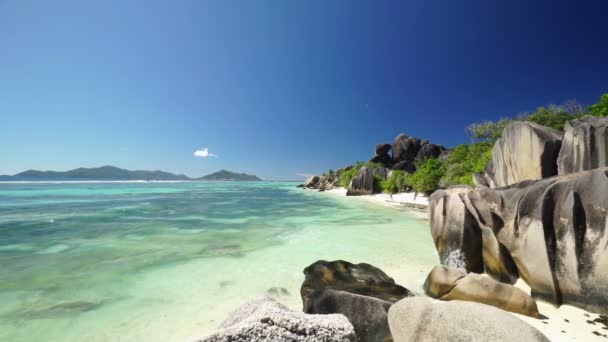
column 467, row 159
column 347, row 175
column 397, row 182
column 600, row 108
column 427, row 176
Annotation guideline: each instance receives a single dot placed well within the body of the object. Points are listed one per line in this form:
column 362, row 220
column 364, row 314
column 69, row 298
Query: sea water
column 169, row 261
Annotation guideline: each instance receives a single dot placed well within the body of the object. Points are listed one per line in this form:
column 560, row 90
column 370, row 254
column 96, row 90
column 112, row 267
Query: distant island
column 224, row 175
column 112, row 173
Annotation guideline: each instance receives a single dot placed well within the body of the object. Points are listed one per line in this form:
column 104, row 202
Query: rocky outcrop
column 454, row 230
column 550, row 232
column 363, row 183
column 452, row 284
column 382, row 155
column 311, row 182
column 429, row 150
column 585, row 145
column 405, row 148
column 368, row 315
column 526, row 151
column 407, row 166
column 418, row 319
column 361, row 279
column 267, row 320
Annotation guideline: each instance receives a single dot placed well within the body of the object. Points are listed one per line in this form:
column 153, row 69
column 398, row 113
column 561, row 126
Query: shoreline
column 564, row 323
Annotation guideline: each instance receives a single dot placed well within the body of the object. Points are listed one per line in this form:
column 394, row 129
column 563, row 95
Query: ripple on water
column 54, row 249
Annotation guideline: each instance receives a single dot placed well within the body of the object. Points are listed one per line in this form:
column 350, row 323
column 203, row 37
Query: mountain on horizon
column 117, row 174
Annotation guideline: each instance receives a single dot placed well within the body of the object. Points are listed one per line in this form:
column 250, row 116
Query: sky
column 279, row 89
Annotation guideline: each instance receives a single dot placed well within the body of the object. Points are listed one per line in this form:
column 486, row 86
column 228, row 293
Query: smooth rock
column 526, row 151
column 311, row 182
column 266, row 320
column 362, row 279
column 417, row 319
column 451, row 284
column 585, row 145
column 550, row 232
column 362, row 184
column 368, row 315
column 405, row 148
column 383, row 149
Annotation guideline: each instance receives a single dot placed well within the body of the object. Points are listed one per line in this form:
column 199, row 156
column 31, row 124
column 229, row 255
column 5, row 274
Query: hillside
column 112, row 173
column 224, row 175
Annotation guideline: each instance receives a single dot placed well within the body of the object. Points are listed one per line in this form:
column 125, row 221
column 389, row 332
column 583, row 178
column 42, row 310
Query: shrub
column 600, row 108
column 397, row 182
column 464, row 161
column 552, row 116
column 427, row 176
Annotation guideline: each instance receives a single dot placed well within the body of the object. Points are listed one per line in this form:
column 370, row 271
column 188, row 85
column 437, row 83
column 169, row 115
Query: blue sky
column 277, row 88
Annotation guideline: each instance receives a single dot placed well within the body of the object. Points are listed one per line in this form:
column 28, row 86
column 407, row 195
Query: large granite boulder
column 381, row 172
column 585, row 145
column 525, row 151
column 311, row 182
column 452, row 284
column 418, row 319
column 368, row 315
column 363, row 183
column 407, row 166
column 429, row 150
column 383, row 149
column 456, row 234
column 550, row 232
column 267, row 320
column 385, row 160
column 362, row 279
column 405, row 148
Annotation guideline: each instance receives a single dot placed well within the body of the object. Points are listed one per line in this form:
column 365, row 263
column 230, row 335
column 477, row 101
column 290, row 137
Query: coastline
column 564, row 323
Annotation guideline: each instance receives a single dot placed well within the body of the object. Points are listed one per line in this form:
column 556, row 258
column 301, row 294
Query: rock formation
column 361, row 292
column 417, row 319
column 405, row 148
column 267, row 320
column 452, row 284
column 362, row 279
column 428, row 150
column 368, row 315
column 585, row 145
column 526, row 151
column 311, row 182
column 382, row 155
column 551, row 232
column 363, row 183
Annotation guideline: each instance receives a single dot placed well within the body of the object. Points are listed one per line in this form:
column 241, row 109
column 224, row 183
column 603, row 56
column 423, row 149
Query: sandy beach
column 566, row 323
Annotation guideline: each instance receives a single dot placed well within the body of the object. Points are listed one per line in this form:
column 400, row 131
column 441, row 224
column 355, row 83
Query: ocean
column 168, row 261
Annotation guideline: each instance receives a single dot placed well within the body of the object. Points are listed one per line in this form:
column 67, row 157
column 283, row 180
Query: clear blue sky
column 277, row 88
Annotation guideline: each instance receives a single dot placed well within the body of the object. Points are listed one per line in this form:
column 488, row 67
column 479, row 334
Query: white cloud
column 203, row 153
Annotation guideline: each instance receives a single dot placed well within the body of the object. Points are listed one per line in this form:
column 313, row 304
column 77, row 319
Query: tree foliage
column 600, row 108
column 396, row 182
column 427, row 176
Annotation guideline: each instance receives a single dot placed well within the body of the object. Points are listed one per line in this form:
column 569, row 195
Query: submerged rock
column 451, row 284
column 526, row 151
column 362, row 279
column 585, row 145
column 418, row 319
column 267, row 320
column 368, row 315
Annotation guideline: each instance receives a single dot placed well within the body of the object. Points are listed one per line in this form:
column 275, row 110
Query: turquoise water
column 168, row 261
